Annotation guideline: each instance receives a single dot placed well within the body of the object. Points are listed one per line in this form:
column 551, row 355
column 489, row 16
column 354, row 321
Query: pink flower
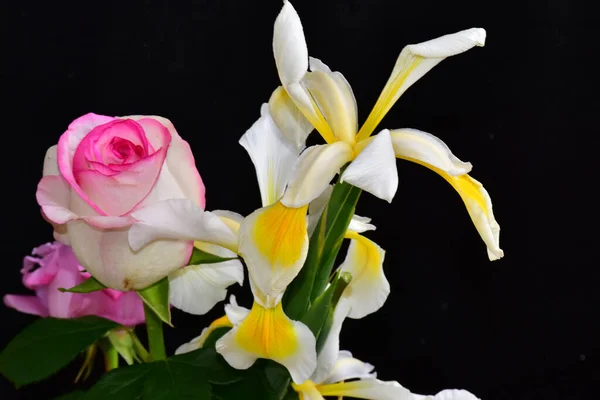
column 57, row 268
column 101, row 173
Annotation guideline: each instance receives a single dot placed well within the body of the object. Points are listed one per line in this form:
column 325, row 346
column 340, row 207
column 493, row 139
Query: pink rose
column 102, row 171
column 57, row 268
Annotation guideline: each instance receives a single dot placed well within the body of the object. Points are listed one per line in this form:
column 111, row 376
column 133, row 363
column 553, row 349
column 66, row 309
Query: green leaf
column 324, row 246
column 87, row 286
column 156, row 297
column 124, row 383
column 202, row 257
column 175, row 380
column 253, row 385
column 48, row 345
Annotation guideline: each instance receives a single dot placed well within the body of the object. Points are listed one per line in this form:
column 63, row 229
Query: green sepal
column 87, row 286
column 123, row 343
column 201, row 257
column 156, row 297
column 324, row 246
column 48, row 345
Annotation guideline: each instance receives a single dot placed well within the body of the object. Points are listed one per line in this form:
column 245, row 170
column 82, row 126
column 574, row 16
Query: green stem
column 139, row 348
column 111, row 357
column 155, row 335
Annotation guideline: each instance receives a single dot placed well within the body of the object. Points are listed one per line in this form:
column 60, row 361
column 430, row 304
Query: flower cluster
column 124, row 193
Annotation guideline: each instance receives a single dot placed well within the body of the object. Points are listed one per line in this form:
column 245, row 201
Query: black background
column 523, row 110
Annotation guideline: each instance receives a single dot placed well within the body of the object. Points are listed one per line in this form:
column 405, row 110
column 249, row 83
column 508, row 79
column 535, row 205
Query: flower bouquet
column 133, row 239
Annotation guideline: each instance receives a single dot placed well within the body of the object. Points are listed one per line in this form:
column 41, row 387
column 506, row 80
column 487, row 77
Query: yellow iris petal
column 267, row 333
column 280, row 234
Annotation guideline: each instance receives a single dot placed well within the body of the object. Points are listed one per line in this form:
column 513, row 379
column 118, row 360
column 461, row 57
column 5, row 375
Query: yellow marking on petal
column 314, row 115
column 387, row 98
column 340, row 388
column 366, row 254
column 308, row 387
column 467, row 188
column 280, row 233
column 267, row 333
column 222, row 322
column 325, row 90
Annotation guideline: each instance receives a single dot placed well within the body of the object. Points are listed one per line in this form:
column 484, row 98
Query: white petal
column 417, row 145
column 51, row 162
column 415, row 61
column 454, row 394
column 369, row 288
column 272, row 155
column 178, row 219
column 305, row 103
column 196, row 289
column 347, row 367
column 289, row 45
column 235, row 312
column 374, row 169
column 292, row 124
column 373, row 389
column 53, row 195
column 313, row 172
column 334, row 98
column 360, row 224
column 214, row 249
column 328, row 356
column 231, row 219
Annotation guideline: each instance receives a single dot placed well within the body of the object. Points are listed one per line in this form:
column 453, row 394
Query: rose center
column 125, row 150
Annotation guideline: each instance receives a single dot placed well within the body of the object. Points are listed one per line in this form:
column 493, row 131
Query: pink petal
column 26, row 304
column 128, row 310
column 53, row 195
column 180, row 158
column 67, row 145
column 119, row 194
column 64, row 305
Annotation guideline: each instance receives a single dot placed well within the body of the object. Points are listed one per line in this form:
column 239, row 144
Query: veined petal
column 289, row 45
column 416, row 60
column 373, row 389
column 274, row 243
column 335, row 99
column 269, row 333
column 179, row 219
column 369, row 287
column 272, row 155
column 347, row 367
column 418, row 145
column 479, row 205
column 308, row 391
column 374, row 169
column 196, row 289
column 289, row 119
column 307, row 105
column 313, row 172
column 198, row 342
column 328, row 356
